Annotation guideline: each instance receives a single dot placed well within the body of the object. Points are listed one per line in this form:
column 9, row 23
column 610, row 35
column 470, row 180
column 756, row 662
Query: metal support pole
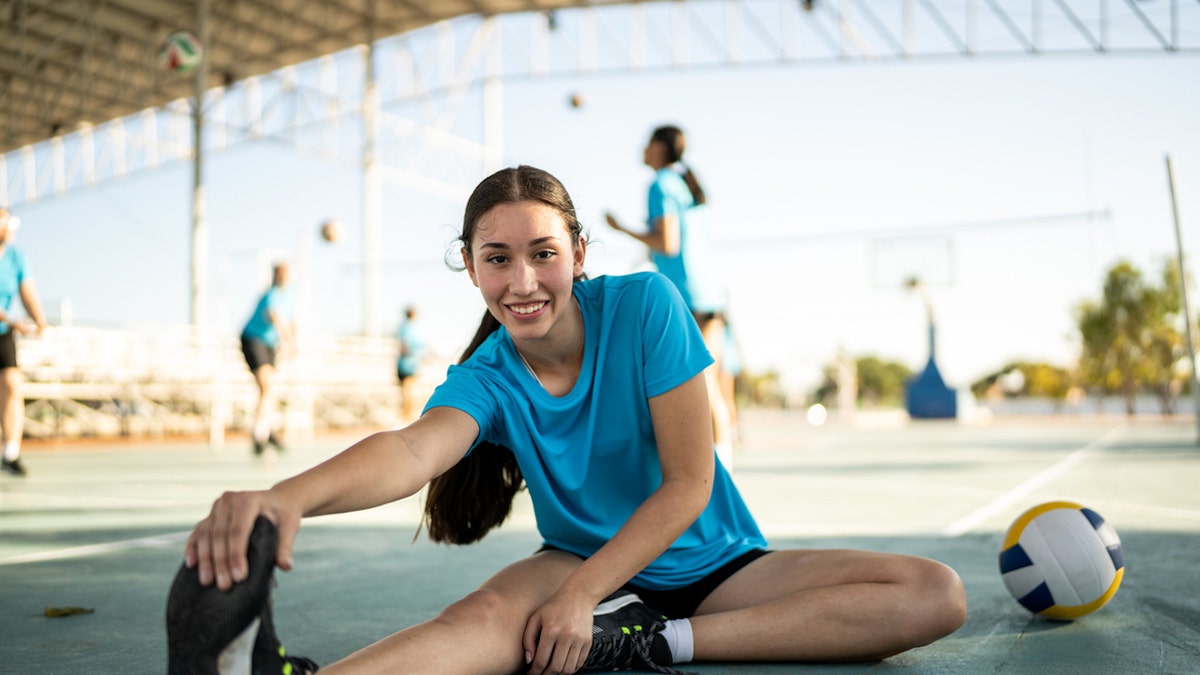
column 493, row 105
column 1187, row 312
column 199, row 295
column 199, row 222
column 372, row 188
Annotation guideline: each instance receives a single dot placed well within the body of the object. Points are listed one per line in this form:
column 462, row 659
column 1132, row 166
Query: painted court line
column 96, row 549
column 1005, row 501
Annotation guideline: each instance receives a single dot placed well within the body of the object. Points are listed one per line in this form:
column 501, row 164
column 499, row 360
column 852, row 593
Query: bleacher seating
column 173, row 380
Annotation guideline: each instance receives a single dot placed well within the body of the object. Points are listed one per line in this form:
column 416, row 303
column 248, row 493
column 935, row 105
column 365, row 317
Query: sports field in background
column 101, row 526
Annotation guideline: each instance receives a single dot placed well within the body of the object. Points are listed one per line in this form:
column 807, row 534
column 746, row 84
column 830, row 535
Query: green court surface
column 101, row 526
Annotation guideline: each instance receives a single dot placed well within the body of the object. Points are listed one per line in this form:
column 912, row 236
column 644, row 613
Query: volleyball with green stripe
column 180, row 52
column 1061, row 560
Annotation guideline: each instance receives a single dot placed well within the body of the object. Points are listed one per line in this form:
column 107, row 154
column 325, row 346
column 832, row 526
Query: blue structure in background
column 926, row 396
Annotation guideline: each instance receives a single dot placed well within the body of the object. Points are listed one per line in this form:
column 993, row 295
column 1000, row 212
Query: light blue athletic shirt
column 13, row 270
column 692, row 268
column 589, row 458
column 410, row 334
column 259, row 326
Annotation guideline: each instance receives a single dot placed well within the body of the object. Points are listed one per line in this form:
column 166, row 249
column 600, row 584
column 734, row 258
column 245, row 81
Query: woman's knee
column 944, row 597
column 483, row 609
column 11, row 379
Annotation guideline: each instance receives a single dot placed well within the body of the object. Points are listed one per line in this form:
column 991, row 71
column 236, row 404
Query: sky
column 827, row 182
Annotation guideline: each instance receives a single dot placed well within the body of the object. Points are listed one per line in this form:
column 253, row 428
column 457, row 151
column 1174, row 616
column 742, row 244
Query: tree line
column 1132, row 340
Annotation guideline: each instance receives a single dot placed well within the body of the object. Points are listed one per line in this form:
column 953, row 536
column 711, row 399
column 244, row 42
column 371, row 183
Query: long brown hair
column 672, row 137
column 476, row 494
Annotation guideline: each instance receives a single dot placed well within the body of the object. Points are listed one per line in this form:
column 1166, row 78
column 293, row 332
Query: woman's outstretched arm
column 381, row 468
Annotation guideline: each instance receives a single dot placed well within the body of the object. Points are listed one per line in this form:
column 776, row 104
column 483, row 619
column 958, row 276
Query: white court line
column 1006, row 500
column 95, row 549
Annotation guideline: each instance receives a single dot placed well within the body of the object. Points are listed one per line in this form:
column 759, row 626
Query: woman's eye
column 497, row 259
column 544, row 255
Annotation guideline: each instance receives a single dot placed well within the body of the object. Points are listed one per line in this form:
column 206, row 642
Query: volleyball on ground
column 180, row 52
column 1061, row 560
column 331, row 230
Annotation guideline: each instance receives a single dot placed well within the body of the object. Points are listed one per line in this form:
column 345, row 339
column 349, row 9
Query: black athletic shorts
column 257, row 353
column 8, row 349
column 681, row 603
column 704, row 317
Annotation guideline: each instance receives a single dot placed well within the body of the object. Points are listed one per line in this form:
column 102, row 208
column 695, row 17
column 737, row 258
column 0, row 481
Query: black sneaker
column 273, row 439
column 270, row 656
column 259, row 446
column 15, row 467
column 623, row 637
column 203, row 620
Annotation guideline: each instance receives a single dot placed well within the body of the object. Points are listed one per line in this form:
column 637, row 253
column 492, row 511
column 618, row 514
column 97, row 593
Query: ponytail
column 675, row 143
column 693, row 185
column 475, row 495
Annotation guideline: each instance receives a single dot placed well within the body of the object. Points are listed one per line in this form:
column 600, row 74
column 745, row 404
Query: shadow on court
column 358, row 580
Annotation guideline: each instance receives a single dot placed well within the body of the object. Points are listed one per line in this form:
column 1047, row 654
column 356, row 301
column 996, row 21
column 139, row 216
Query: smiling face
column 524, row 260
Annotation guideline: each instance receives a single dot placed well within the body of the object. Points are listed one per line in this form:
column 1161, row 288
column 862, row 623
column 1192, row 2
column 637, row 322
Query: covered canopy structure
column 68, row 64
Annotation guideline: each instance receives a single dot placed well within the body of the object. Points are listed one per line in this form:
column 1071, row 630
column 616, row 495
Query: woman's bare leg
column 12, row 405
column 828, row 605
column 713, row 331
column 477, row 635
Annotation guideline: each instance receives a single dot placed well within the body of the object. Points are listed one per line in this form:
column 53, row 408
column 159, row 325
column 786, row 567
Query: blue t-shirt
column 589, row 458
column 692, row 268
column 13, row 271
column 412, row 344
column 259, row 326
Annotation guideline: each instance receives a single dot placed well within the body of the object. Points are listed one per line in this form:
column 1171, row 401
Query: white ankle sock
column 678, row 634
column 235, row 658
column 12, row 450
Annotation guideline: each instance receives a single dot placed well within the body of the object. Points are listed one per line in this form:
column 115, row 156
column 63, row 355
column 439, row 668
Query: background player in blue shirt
column 590, row 393
column 268, row 329
column 16, row 280
column 677, row 234
column 410, row 340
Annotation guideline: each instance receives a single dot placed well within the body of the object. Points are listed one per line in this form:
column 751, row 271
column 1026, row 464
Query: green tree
column 1129, row 338
column 1037, row 379
column 879, row 382
column 1164, row 345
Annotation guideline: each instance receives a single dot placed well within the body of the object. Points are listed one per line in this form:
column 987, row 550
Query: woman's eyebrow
column 534, row 242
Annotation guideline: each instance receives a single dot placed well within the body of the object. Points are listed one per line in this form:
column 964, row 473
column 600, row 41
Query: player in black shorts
column 15, row 280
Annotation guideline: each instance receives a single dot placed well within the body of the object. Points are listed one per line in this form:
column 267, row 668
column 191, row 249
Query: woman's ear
column 470, row 265
column 580, row 254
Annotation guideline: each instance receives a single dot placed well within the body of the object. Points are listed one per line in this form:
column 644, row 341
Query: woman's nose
column 524, row 280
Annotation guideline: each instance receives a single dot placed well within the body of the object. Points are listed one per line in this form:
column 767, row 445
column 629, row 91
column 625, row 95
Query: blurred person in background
column 268, row 331
column 677, row 234
column 411, row 350
column 16, row 279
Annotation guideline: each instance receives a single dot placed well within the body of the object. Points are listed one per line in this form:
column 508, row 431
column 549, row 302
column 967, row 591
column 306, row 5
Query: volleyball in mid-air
column 331, row 230
column 1061, row 560
column 180, row 52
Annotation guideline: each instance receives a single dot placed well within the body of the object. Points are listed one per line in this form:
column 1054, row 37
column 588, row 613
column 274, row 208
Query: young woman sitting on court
column 591, row 394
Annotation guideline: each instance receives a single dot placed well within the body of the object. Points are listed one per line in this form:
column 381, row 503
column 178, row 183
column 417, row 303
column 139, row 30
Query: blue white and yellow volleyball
column 180, row 52
column 1061, row 560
